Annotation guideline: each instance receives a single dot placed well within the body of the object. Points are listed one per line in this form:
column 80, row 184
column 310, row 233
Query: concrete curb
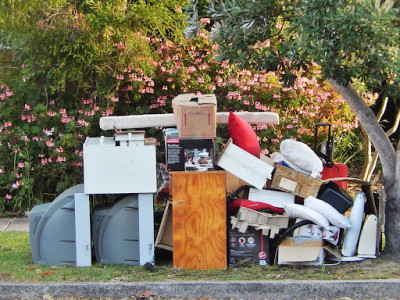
column 14, row 224
column 217, row 290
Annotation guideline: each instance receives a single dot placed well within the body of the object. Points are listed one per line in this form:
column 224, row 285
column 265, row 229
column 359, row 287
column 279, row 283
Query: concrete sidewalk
column 285, row 289
column 14, row 224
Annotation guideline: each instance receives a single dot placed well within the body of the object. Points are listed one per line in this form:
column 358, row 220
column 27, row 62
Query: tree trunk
column 390, row 165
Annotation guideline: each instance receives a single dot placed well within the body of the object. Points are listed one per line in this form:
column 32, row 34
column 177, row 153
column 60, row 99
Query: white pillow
column 301, row 156
column 327, row 210
column 306, row 213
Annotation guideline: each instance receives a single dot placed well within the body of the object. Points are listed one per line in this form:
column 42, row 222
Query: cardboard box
column 250, row 246
column 301, row 251
column 244, row 165
column 195, row 115
column 233, row 183
column 292, row 181
column 274, row 198
column 315, row 231
column 164, row 236
column 190, row 154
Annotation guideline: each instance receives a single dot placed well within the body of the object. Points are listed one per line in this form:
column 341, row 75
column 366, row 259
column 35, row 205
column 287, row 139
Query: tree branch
column 372, row 127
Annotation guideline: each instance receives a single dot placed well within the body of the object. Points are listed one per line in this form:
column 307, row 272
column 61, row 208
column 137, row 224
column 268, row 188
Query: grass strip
column 16, row 265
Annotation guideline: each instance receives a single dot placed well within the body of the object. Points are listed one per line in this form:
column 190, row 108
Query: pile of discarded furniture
column 289, row 208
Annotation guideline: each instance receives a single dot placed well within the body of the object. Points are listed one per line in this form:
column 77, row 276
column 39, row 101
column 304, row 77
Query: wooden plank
column 164, row 235
column 168, row 120
column 199, row 220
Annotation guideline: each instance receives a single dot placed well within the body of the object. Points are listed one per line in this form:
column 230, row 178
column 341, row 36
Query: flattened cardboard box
column 195, row 115
column 301, row 250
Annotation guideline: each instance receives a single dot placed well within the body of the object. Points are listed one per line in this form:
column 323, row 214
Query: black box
column 250, row 246
column 189, row 154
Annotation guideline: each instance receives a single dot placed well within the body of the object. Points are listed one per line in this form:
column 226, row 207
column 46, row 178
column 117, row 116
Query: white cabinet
column 111, row 167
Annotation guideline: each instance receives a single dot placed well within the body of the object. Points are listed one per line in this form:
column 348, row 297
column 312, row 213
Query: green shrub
column 44, row 121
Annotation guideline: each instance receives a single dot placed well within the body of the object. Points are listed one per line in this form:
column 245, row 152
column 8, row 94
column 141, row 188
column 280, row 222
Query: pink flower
column 20, row 165
column 8, row 197
column 49, row 144
column 60, row 159
column 114, row 99
column 205, row 21
column 265, row 151
column 83, row 123
column 48, row 132
column 191, row 69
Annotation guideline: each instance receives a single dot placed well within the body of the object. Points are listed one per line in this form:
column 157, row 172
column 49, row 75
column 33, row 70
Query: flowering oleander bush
column 41, row 135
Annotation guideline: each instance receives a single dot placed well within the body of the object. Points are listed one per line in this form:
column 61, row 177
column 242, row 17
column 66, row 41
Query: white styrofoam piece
column 250, row 117
column 110, row 169
column 146, row 228
column 82, row 230
column 352, row 234
column 274, row 198
column 245, row 165
column 367, row 243
column 349, row 259
column 168, row 120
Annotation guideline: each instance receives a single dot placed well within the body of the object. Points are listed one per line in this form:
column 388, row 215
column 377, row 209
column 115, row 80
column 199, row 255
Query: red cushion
column 243, row 135
column 234, row 205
